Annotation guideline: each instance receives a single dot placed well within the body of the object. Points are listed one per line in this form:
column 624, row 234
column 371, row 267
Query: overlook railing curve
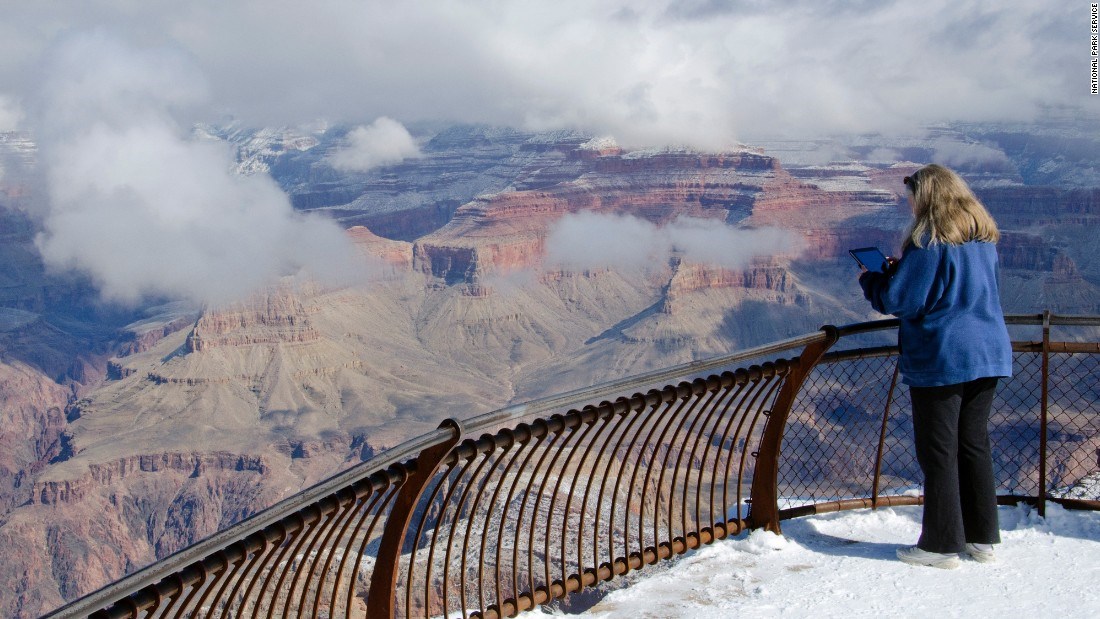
column 544, row 503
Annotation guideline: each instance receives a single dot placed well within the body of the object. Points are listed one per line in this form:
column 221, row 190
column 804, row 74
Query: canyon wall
column 118, row 449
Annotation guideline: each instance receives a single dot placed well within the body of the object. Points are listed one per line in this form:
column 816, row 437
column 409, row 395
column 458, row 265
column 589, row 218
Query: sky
column 699, row 72
column 842, row 565
column 110, row 90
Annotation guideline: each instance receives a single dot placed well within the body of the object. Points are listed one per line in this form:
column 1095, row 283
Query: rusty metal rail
column 537, row 507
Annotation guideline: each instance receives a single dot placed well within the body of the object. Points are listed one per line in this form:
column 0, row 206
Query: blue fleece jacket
column 952, row 326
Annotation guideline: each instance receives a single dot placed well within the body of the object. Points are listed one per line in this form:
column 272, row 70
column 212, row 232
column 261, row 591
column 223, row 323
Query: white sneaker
column 915, row 556
column 982, row 553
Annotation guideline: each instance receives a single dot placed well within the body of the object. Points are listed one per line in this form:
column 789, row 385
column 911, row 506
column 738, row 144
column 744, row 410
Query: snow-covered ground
column 843, row 565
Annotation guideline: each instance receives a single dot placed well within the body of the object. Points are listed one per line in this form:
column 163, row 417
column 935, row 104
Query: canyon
column 130, row 433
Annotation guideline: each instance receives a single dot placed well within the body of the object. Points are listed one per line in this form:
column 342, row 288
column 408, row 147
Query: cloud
column 11, row 115
column 143, row 209
column 384, row 142
column 589, row 241
column 700, row 73
column 703, row 241
column 963, row 154
column 883, row 155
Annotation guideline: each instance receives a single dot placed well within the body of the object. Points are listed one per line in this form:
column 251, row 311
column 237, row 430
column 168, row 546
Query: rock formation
column 272, row 317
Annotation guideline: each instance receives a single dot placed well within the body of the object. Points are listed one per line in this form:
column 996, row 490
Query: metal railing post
column 764, row 495
column 1042, row 503
column 882, row 436
column 383, row 582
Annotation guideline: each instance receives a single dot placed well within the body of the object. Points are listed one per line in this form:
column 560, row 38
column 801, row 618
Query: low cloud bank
column 147, row 211
column 590, row 240
column 11, row 115
column 696, row 72
column 383, row 142
column 960, row 154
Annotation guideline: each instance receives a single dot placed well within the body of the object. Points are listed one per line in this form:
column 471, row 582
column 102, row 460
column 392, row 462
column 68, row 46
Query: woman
column 954, row 346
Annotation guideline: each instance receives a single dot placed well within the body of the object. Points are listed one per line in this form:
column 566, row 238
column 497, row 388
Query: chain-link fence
column 853, row 418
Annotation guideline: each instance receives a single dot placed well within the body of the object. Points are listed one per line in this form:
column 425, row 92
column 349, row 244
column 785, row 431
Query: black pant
column 950, row 425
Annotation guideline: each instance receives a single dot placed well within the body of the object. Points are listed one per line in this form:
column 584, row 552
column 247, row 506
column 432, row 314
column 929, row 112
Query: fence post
column 383, row 582
column 882, row 436
column 1042, row 503
column 764, row 511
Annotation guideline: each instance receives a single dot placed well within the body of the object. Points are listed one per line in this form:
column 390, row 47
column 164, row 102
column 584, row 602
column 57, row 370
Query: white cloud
column 11, row 114
column 650, row 73
column 384, row 142
column 143, row 209
column 589, row 240
column 704, row 241
column 883, row 155
column 962, row 154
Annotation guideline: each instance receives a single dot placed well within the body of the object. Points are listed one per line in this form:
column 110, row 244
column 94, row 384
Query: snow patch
column 843, row 565
column 601, row 143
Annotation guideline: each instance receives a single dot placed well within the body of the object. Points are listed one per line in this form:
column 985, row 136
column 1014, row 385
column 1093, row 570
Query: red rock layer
column 394, row 253
column 785, row 200
column 1019, row 205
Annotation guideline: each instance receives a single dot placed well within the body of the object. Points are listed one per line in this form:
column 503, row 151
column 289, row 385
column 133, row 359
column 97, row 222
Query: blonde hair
column 945, row 210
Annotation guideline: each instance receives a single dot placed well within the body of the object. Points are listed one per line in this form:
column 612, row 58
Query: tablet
column 871, row 258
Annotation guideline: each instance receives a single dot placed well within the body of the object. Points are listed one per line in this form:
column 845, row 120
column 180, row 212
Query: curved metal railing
column 538, row 507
